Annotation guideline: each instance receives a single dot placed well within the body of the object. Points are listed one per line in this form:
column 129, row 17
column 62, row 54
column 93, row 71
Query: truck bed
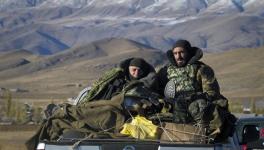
column 127, row 144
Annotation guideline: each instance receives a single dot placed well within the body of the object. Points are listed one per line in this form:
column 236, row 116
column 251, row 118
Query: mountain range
column 58, row 74
column 46, row 27
column 62, row 75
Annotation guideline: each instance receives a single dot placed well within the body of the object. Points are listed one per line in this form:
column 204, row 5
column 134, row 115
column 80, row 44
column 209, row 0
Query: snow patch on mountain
column 51, row 26
column 222, row 6
column 7, row 4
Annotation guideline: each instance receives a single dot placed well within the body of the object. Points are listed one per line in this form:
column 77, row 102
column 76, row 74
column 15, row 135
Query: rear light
column 41, row 146
column 244, row 147
column 261, row 133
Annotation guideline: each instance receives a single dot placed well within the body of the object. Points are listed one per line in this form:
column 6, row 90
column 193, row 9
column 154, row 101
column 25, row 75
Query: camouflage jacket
column 115, row 80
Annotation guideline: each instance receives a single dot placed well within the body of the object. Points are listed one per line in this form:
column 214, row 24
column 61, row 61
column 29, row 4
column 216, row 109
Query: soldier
column 191, row 87
column 130, row 73
column 115, row 80
column 106, row 99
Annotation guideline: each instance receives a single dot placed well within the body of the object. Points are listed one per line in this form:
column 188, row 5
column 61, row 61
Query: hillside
column 15, row 58
column 65, row 74
column 240, row 72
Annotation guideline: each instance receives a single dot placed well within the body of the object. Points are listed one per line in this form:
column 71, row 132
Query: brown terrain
column 240, row 72
column 63, row 75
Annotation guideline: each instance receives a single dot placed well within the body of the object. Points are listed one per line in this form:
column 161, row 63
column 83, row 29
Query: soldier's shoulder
column 108, row 75
column 205, row 69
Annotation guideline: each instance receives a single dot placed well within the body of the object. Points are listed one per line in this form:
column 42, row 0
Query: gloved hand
column 49, row 111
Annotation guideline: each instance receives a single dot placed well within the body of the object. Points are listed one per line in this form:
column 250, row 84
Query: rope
column 76, row 144
column 164, row 128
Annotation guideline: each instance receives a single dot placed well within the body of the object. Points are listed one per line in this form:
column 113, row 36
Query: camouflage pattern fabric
column 114, row 81
column 83, row 118
column 180, row 112
column 206, row 78
column 100, row 84
column 184, row 78
column 198, row 99
column 194, row 78
column 196, row 109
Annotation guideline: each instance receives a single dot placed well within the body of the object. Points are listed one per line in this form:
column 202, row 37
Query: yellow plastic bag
column 140, row 128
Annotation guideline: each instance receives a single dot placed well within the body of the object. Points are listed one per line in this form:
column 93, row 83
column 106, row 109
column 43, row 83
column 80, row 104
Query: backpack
column 100, row 84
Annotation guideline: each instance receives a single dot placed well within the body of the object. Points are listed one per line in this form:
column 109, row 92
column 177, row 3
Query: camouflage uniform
column 115, row 80
column 195, row 92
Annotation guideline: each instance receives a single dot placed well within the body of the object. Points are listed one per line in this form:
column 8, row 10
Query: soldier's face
column 135, row 72
column 180, row 56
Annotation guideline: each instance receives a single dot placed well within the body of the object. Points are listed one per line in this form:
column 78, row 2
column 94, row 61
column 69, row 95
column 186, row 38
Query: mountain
column 89, row 52
column 15, row 58
column 59, row 73
column 50, row 26
column 13, row 4
column 239, row 72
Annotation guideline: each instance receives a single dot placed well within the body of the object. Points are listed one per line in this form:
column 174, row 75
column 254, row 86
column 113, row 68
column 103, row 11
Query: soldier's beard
column 180, row 62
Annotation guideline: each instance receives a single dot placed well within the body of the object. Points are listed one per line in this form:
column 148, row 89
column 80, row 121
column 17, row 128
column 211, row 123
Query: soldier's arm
column 208, row 80
column 161, row 80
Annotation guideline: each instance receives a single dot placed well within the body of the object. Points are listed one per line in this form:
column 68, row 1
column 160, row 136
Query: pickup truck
column 248, row 134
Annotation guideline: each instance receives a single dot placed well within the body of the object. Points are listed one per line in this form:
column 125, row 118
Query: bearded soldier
column 191, row 88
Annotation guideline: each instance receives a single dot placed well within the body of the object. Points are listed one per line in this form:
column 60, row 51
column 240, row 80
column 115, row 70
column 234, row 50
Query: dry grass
column 14, row 140
column 240, row 72
column 14, row 137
